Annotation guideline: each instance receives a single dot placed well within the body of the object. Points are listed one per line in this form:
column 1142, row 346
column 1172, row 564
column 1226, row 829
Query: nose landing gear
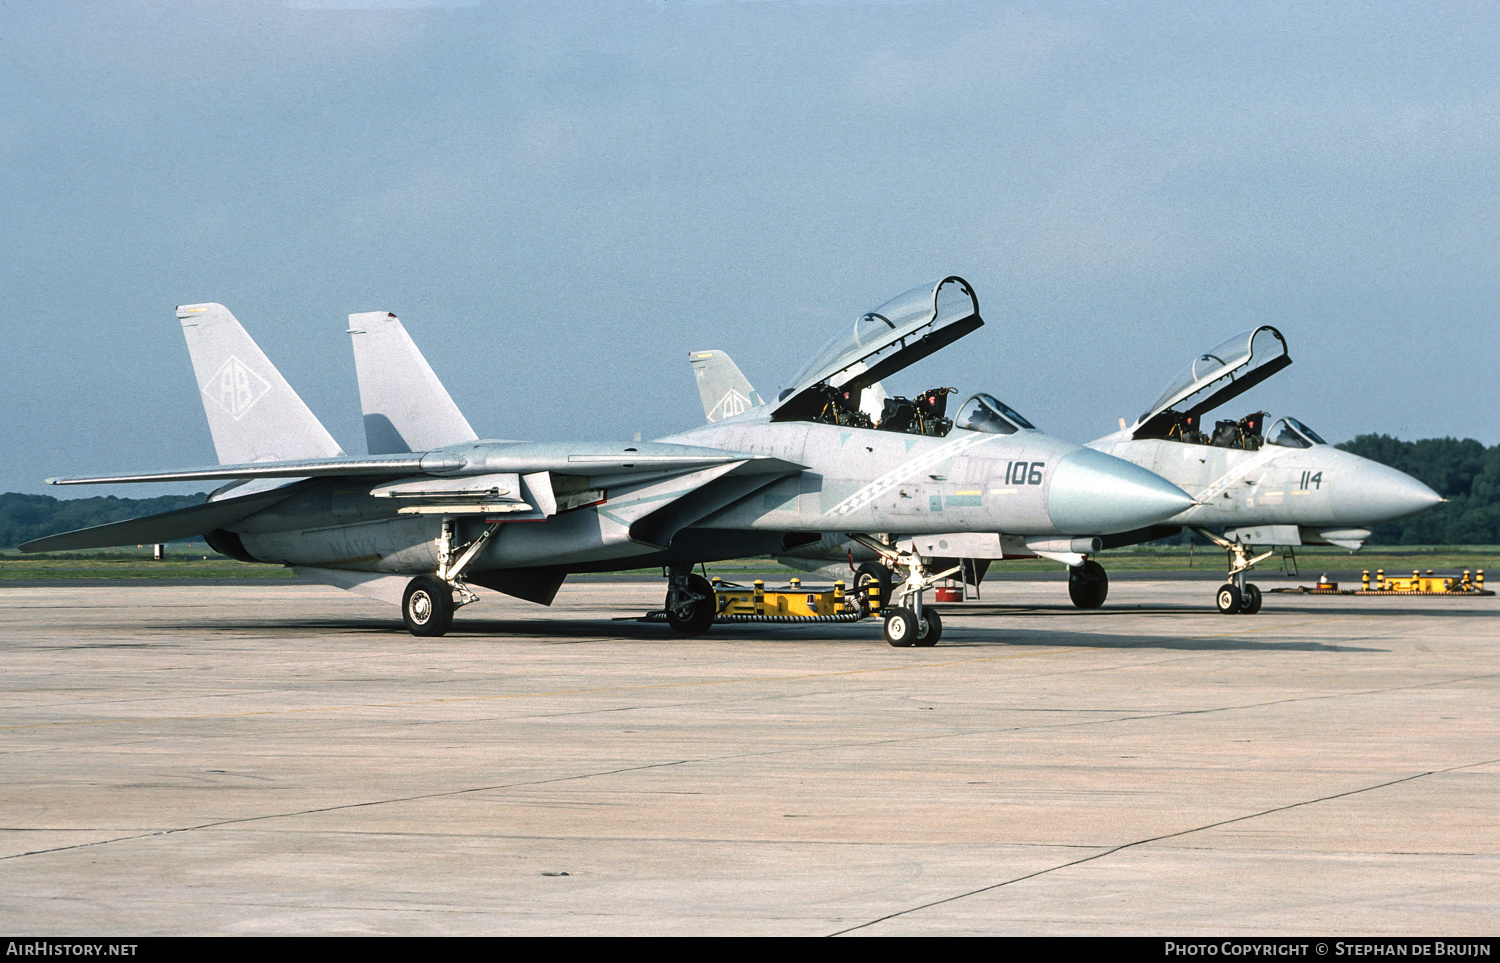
column 908, row 622
column 1237, row 595
column 903, row 627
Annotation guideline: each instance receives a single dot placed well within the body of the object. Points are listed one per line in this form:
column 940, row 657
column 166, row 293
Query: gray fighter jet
column 432, row 511
column 872, row 557
column 1282, row 486
column 1252, row 487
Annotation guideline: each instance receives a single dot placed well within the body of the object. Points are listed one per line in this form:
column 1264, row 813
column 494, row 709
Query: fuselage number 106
column 1024, row 473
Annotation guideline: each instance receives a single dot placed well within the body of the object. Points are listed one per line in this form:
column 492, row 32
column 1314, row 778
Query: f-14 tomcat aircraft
column 1267, row 487
column 1283, row 486
column 432, row 510
column 966, row 556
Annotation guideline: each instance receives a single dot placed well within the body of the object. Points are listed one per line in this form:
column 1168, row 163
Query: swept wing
column 598, row 459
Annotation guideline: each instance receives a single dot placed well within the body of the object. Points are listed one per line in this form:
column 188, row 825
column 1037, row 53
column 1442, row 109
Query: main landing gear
column 1236, row 595
column 908, row 622
column 872, row 573
column 428, row 604
column 691, row 601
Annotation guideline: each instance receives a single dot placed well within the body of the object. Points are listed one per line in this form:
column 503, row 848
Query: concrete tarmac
column 285, row 759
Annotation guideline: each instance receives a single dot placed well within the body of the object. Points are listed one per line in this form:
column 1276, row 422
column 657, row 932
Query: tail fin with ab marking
column 253, row 413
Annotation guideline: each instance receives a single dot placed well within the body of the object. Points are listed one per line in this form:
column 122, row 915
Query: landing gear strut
column 1237, row 595
column 908, row 622
column 429, row 601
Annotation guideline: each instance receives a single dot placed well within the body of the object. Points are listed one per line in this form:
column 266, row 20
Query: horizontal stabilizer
column 374, row 585
column 534, row 585
column 166, row 527
column 406, row 407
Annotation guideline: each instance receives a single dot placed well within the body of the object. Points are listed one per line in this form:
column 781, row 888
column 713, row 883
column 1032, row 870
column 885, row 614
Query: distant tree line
column 1464, row 472
column 25, row 517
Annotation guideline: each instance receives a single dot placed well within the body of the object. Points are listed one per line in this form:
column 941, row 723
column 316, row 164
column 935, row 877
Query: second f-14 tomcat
column 433, row 510
column 1260, row 487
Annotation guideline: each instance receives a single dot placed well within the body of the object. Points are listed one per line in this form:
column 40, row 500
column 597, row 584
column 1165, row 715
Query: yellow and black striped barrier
column 1430, row 584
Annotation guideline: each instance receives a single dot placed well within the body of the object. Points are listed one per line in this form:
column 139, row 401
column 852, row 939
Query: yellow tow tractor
column 788, row 604
column 792, row 603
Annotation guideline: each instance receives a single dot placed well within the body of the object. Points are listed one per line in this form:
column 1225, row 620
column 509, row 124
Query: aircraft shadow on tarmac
column 999, row 634
column 1352, row 609
column 958, row 638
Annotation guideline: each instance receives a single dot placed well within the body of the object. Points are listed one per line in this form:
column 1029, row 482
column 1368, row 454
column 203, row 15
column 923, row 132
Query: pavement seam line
column 1156, row 839
column 745, row 755
column 343, row 806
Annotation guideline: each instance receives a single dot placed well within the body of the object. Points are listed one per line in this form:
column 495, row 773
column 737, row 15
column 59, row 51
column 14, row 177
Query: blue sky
column 562, row 200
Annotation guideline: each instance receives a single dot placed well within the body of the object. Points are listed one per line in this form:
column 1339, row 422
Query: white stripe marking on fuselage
column 896, row 476
column 1229, row 478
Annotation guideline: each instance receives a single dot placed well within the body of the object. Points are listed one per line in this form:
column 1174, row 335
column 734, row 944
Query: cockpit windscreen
column 988, row 414
column 1291, row 433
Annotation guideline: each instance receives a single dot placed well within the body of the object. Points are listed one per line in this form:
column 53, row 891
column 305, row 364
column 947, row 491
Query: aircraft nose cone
column 1383, row 494
column 1096, row 494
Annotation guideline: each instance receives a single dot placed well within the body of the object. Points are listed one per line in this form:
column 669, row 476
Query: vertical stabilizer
column 253, row 413
column 406, row 407
column 724, row 390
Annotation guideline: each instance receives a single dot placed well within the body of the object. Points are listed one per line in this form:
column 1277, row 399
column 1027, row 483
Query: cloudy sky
column 562, row 200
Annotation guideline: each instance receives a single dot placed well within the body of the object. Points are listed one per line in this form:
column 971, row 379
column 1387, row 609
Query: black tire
column 1251, row 603
column 1088, row 584
column 931, row 628
column 427, row 606
column 901, row 627
column 872, row 573
column 1229, row 599
column 704, row 609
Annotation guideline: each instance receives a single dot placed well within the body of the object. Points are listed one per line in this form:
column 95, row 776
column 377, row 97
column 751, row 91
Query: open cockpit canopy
column 1214, row 378
column 900, row 332
column 987, row 413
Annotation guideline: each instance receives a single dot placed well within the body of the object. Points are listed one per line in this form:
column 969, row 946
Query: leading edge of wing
column 479, row 459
